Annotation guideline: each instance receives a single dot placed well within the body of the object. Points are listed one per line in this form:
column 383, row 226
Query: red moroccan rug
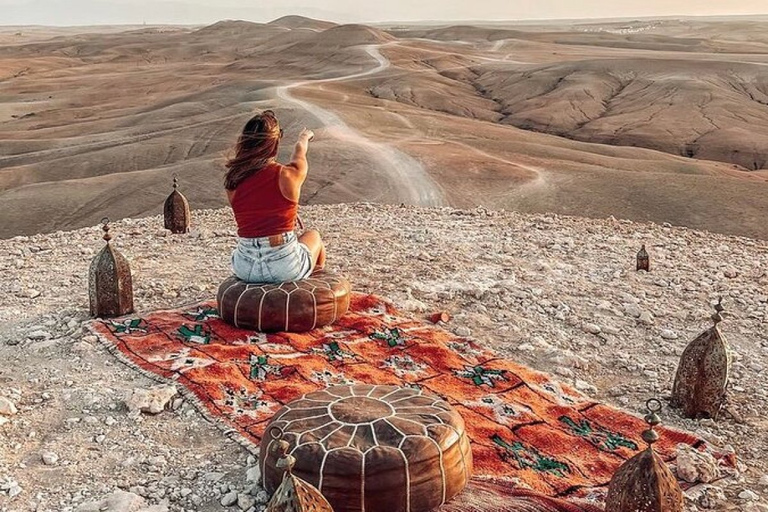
column 527, row 430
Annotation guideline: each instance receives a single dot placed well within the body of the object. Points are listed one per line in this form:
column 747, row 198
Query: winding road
column 411, row 182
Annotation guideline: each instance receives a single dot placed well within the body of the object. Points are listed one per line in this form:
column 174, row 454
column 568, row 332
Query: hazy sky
column 79, row 12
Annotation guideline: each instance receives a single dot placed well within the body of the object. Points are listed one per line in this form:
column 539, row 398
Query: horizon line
column 405, row 22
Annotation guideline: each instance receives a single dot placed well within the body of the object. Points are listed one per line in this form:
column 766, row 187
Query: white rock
column 632, row 310
column 568, row 358
column 592, row 328
column 584, row 386
column 413, row 305
column 49, row 458
column 152, row 401
column 262, row 497
column 14, row 489
column 30, row 293
column 244, row 501
column 695, row 466
column 82, row 347
column 229, row 499
column 118, row 501
column 7, row 408
column 253, row 474
column 708, row 496
column 748, row 495
column 39, row 334
column 463, row 331
column 669, row 334
column 646, row 318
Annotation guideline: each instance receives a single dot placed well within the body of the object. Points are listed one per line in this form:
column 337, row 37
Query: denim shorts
column 254, row 261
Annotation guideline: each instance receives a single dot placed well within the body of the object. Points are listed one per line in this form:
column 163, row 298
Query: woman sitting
column 264, row 195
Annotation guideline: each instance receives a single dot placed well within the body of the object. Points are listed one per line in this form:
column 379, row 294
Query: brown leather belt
column 277, row 240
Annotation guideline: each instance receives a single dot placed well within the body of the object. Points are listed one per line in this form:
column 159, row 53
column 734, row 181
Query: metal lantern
column 294, row 494
column 702, row 377
column 176, row 210
column 644, row 483
column 643, row 261
column 110, row 287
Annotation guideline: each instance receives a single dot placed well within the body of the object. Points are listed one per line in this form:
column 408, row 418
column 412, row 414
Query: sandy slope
column 411, row 182
column 95, row 124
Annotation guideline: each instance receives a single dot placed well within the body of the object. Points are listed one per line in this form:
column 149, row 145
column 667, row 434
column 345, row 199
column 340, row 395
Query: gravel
column 556, row 293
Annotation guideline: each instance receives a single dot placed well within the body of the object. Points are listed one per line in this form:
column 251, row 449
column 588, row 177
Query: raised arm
column 299, row 158
column 295, row 173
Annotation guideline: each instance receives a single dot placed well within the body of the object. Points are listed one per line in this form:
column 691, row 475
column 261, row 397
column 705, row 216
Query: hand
column 307, row 134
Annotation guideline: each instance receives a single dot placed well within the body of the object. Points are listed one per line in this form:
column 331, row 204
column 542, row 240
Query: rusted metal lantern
column 110, row 287
column 643, row 261
column 176, row 210
column 644, row 483
column 293, row 494
column 702, row 376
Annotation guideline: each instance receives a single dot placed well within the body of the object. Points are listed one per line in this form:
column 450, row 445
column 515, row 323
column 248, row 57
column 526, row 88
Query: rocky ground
column 559, row 294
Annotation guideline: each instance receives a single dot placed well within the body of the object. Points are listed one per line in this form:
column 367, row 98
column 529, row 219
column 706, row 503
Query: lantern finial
column 717, row 317
column 650, row 436
column 293, row 494
column 644, row 483
column 105, row 227
column 284, row 461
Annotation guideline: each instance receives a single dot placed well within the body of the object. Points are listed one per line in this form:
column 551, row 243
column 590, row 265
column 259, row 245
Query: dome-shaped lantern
column 110, row 287
column 643, row 261
column 176, row 210
column 702, row 377
column 293, row 494
column 644, row 483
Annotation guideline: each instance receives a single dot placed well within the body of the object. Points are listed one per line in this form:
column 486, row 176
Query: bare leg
column 311, row 238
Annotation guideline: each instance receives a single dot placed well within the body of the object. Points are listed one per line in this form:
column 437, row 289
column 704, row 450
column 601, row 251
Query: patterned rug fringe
column 187, row 394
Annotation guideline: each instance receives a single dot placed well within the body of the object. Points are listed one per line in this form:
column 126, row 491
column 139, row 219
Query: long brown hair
column 256, row 147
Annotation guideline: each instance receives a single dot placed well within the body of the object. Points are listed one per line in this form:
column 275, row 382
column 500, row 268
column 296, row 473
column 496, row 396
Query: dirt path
column 412, row 184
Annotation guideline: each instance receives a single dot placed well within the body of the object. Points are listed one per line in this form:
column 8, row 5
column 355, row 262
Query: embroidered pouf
column 372, row 448
column 296, row 306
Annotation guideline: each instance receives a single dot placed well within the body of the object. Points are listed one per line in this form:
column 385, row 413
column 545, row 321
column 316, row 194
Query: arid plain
column 650, row 120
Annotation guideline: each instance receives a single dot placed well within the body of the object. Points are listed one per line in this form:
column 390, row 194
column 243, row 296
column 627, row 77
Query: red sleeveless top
column 260, row 207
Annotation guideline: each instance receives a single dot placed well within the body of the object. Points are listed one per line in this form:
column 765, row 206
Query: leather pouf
column 372, row 448
column 297, row 306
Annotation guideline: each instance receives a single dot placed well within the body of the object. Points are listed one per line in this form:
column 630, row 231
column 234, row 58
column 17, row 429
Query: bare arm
column 299, row 158
column 295, row 173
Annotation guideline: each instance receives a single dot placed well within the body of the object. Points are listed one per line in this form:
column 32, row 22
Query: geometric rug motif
column 524, row 427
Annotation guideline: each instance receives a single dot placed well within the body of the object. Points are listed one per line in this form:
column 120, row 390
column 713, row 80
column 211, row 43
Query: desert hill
column 710, row 110
column 237, row 28
column 342, row 36
column 96, row 121
column 293, row 22
column 652, row 36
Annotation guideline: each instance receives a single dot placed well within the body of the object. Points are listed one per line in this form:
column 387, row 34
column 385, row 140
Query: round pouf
column 372, row 448
column 296, row 306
